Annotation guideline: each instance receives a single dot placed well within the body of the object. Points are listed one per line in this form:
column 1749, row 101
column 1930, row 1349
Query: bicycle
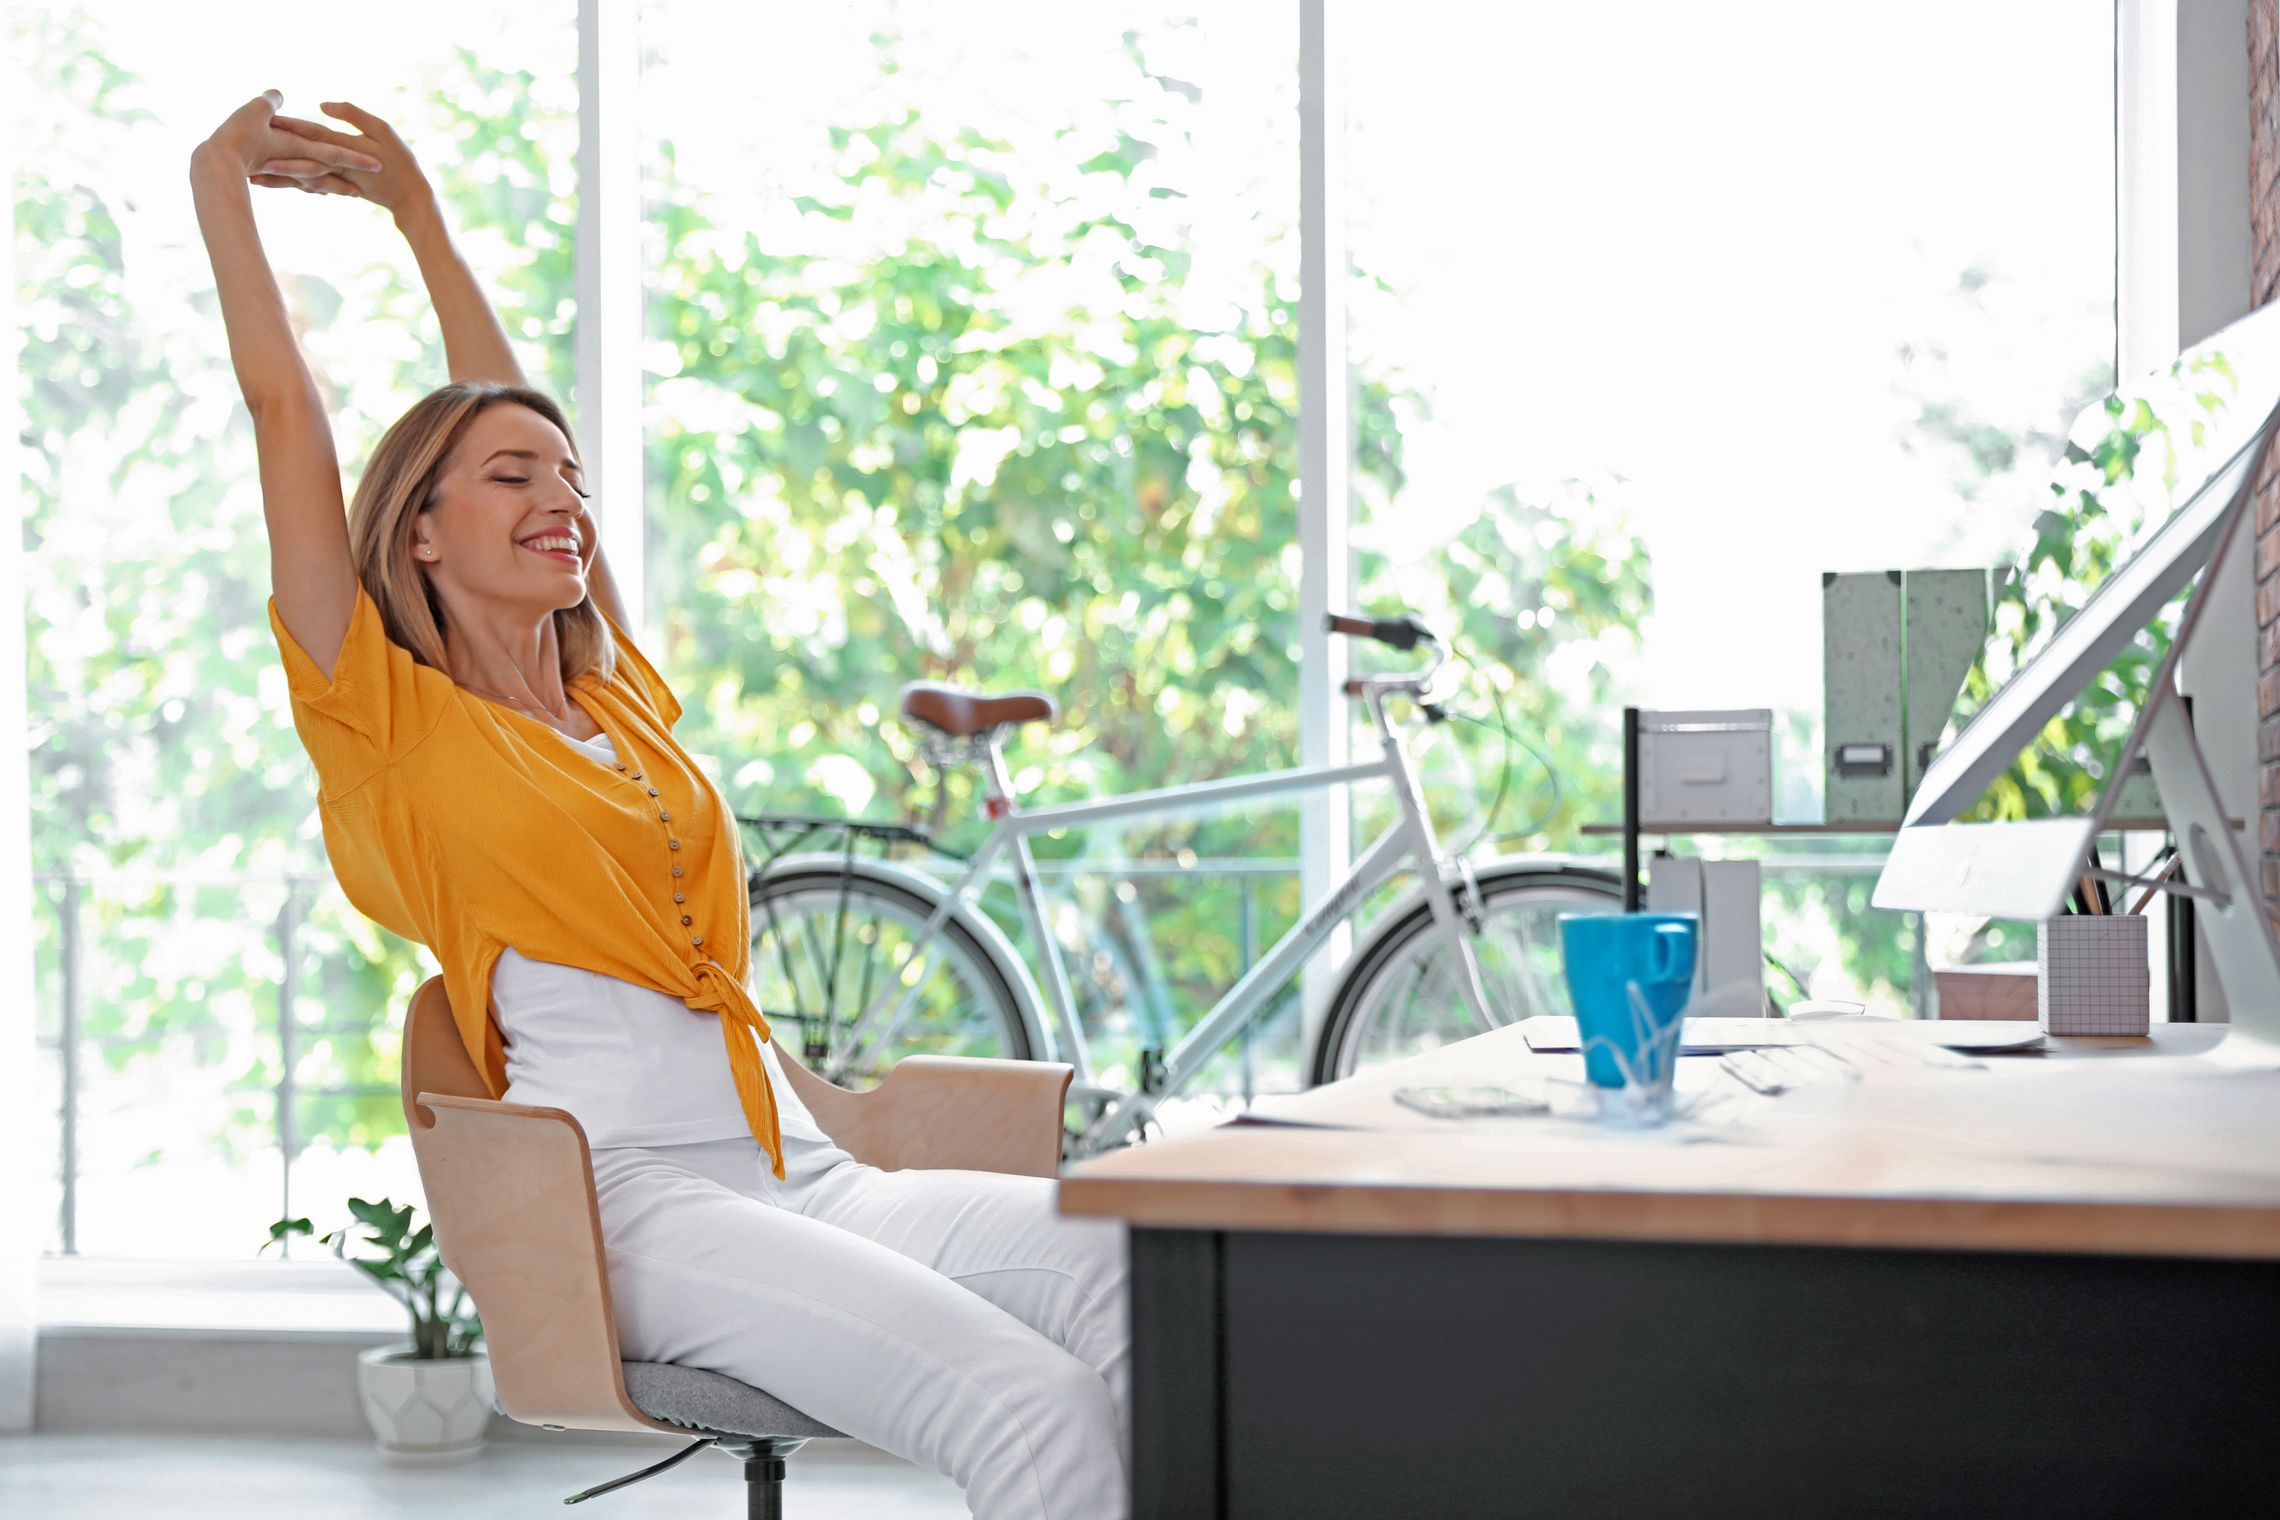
column 871, row 959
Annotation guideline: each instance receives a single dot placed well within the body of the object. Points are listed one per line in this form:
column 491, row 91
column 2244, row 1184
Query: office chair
column 510, row 1188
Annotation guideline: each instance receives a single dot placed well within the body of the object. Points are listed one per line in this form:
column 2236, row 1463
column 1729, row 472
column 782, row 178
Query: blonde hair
column 399, row 483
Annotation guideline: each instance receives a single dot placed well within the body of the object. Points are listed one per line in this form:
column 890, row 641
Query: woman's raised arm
column 475, row 345
column 310, row 569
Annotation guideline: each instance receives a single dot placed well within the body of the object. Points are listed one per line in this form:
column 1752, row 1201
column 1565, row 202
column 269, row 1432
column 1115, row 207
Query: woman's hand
column 396, row 183
column 252, row 140
column 474, row 343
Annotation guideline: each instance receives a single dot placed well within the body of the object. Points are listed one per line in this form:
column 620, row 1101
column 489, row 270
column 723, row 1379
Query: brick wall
column 2264, row 222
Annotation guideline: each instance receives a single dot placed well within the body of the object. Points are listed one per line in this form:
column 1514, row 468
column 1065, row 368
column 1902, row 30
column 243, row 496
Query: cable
column 1504, row 776
column 1778, row 964
column 1439, row 714
column 1551, row 807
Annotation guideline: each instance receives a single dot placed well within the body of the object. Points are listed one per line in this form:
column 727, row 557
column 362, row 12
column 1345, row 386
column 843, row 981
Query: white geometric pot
column 425, row 1412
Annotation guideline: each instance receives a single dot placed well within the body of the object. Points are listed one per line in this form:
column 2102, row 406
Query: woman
column 498, row 778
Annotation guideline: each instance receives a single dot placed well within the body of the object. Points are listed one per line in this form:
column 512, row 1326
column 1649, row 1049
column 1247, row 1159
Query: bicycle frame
column 1409, row 837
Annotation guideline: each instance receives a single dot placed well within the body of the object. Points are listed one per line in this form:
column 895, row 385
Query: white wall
column 2216, row 271
column 2214, row 252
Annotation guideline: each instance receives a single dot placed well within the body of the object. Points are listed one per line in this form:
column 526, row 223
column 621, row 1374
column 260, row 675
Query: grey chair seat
column 711, row 1403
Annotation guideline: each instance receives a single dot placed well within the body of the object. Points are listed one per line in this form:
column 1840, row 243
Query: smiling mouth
column 552, row 545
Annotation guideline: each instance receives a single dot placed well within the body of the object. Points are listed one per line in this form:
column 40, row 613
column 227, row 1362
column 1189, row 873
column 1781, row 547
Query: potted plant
column 428, row 1399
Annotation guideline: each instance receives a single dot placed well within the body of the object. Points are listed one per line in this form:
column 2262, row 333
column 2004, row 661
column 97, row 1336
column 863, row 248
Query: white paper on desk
column 1269, row 1119
column 1555, row 1033
column 1550, row 1033
column 1708, row 1111
column 1970, row 1036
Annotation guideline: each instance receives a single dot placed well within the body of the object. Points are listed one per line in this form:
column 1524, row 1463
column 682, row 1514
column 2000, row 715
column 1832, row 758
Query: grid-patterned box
column 2091, row 974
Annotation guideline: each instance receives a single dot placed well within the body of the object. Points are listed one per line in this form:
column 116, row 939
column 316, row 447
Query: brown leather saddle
column 961, row 714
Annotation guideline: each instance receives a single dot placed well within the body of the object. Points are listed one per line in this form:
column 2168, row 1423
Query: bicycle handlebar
column 1403, row 632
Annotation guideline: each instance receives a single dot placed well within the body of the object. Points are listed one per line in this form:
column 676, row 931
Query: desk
column 2050, row 1287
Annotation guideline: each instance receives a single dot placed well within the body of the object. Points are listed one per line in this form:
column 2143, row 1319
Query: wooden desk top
column 2137, row 1147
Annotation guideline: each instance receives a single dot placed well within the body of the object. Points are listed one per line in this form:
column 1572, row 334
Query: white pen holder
column 2092, row 975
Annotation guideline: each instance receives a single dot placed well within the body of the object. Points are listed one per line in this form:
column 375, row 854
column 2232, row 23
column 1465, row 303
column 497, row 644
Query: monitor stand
column 2216, row 870
column 2228, row 903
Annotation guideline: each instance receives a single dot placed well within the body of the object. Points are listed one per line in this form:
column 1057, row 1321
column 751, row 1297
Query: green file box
column 1860, row 687
column 1944, row 628
column 2139, row 800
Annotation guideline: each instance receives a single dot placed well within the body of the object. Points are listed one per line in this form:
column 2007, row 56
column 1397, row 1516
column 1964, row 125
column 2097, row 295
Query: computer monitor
column 2197, row 429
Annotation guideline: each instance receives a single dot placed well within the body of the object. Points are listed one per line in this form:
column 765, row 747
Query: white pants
column 952, row 1318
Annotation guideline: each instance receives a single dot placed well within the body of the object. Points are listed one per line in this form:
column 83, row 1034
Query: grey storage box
column 1706, row 767
column 1860, row 691
column 1943, row 631
column 2139, row 800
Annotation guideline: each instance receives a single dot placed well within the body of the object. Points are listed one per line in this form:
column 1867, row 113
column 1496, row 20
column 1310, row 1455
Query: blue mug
column 1630, row 976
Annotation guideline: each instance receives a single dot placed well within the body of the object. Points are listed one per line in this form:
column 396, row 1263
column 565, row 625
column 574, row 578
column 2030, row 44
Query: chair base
column 763, row 1458
column 763, row 1474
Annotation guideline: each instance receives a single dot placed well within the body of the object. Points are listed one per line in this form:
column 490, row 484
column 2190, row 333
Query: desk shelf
column 2183, row 994
column 1774, row 830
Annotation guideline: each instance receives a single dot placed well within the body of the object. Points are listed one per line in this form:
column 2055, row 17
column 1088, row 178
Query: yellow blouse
column 467, row 826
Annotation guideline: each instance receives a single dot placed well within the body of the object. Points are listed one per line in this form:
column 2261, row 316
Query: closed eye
column 524, row 480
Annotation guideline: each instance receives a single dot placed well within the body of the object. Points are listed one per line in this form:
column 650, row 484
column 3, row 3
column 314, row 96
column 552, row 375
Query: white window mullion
column 607, row 278
column 1325, row 446
column 2184, row 270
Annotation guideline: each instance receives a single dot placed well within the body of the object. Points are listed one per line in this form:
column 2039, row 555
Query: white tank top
column 635, row 1066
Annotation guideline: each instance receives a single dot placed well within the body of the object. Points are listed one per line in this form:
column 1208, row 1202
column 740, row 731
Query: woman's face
column 507, row 524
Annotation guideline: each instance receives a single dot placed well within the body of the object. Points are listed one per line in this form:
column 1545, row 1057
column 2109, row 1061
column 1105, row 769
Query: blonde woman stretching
column 498, row 779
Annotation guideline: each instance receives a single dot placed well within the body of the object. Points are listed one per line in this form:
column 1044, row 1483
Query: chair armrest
column 510, row 1187
column 970, row 1113
column 457, row 1104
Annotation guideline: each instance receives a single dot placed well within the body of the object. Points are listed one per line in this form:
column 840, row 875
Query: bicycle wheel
column 830, row 940
column 1401, row 995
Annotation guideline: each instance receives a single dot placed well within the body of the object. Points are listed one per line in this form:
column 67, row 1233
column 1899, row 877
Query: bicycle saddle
column 961, row 713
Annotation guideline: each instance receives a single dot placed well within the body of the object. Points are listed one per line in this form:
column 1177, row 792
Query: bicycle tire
column 1340, row 1050
column 991, row 982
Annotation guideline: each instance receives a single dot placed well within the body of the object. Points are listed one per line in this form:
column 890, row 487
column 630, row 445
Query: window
column 1688, row 310
column 972, row 357
column 183, row 888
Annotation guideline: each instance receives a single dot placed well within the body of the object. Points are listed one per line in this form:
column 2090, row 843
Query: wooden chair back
column 510, row 1188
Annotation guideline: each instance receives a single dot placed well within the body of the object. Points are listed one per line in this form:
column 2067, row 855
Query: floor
column 102, row 1476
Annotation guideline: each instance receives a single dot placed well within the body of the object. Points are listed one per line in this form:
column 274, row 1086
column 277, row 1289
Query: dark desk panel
column 1294, row 1375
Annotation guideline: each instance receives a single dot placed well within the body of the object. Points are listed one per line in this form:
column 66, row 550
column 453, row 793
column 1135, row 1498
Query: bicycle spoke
column 859, row 941
column 823, row 979
column 1413, row 999
column 1521, row 954
column 784, row 957
column 871, row 943
column 838, row 930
